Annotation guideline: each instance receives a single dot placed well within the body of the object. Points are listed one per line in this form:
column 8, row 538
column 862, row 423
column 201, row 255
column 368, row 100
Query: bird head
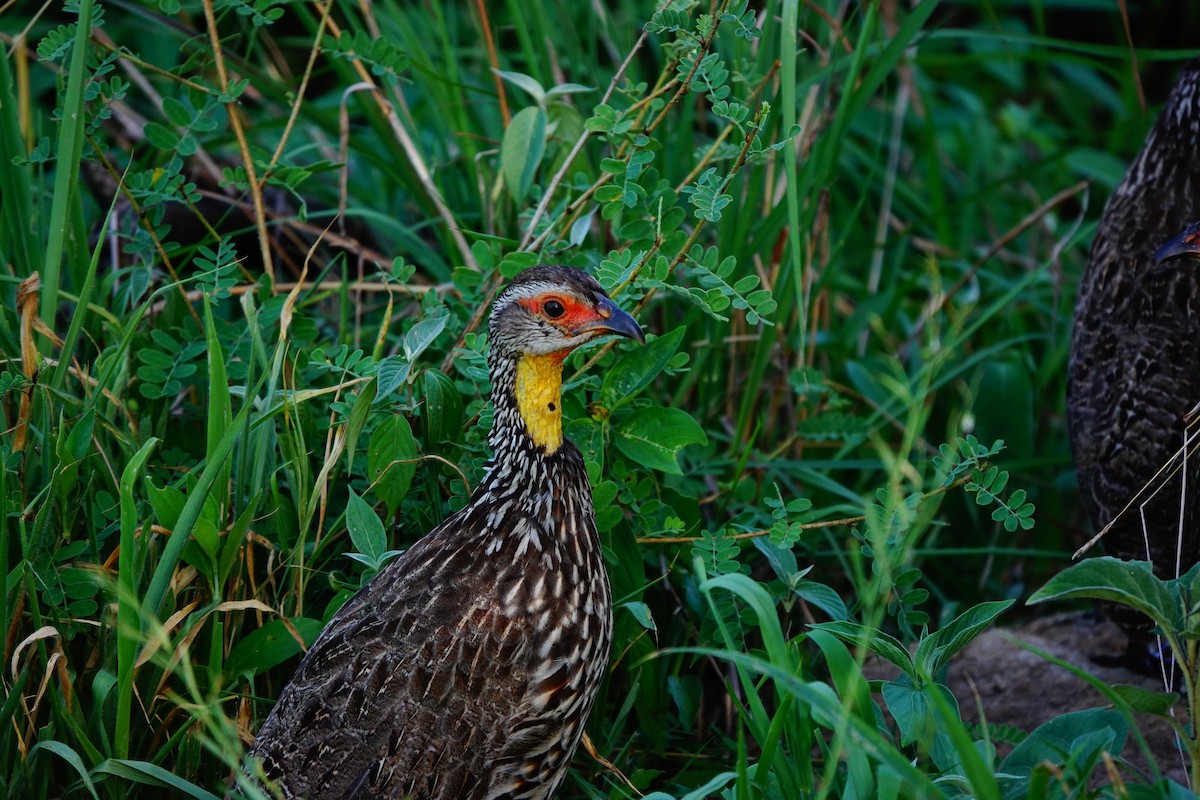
column 552, row 310
column 542, row 315
column 1185, row 245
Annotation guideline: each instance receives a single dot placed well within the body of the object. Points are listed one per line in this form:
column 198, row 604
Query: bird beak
column 1182, row 246
column 610, row 319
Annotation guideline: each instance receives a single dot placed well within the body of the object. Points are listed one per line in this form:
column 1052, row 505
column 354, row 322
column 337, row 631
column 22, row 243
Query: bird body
column 1133, row 373
column 467, row 667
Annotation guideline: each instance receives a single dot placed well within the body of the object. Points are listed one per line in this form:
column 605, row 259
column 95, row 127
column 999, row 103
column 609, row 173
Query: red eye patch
column 560, row 311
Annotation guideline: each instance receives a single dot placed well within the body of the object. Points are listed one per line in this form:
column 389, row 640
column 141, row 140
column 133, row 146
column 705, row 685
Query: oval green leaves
column 522, row 150
column 654, row 436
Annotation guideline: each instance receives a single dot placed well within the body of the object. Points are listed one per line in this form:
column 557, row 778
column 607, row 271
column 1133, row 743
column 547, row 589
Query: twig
column 308, row 70
column 750, row 534
column 493, row 61
column 686, row 86
column 235, row 119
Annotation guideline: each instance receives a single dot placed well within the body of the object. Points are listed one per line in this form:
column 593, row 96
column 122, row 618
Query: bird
column 1133, row 373
column 466, row 668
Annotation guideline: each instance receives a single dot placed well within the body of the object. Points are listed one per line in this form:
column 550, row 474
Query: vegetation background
column 245, row 250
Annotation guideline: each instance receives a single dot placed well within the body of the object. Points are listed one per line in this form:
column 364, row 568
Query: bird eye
column 554, row 309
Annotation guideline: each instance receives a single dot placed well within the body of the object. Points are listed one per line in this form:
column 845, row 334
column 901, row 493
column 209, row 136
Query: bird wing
column 421, row 659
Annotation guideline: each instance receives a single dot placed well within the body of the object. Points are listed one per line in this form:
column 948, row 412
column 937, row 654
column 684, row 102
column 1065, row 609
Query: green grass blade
column 128, row 626
column 66, row 178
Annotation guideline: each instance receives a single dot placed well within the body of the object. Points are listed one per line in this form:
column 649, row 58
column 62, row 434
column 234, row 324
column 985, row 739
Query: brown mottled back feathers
column 1133, row 370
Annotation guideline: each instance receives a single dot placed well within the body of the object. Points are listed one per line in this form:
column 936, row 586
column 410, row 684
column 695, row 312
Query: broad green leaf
column 1129, row 583
column 1144, row 700
column 588, row 436
column 270, row 645
column 936, row 649
column 881, row 644
column 391, row 374
column 423, row 334
column 166, row 502
column 524, row 82
column 443, row 411
column 568, row 88
column 781, row 559
column 366, row 531
column 846, row 675
column 1054, row 741
column 823, row 597
column 391, row 461
column 208, row 537
column 641, row 612
column 637, row 368
column 914, row 709
column 176, row 112
column 654, row 436
column 521, row 150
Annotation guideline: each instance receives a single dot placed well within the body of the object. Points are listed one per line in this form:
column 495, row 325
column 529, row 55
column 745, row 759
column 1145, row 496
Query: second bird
column 1134, row 373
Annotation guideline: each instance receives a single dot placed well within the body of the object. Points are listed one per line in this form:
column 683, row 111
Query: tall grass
column 247, row 249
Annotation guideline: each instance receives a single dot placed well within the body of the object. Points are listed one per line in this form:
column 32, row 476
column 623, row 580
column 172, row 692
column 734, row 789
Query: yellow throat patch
column 539, row 398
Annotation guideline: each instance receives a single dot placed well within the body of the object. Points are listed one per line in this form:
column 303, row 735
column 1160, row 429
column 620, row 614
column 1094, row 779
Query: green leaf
column 391, row 461
column 653, row 437
column 641, row 612
column 936, row 649
column 358, row 418
column 442, row 418
column 166, row 502
column 423, row 334
column 1144, row 700
column 148, row 774
column 914, row 709
column 220, row 404
column 882, row 644
column 568, row 88
column 522, row 149
column 66, row 754
column 823, row 597
column 160, row 135
column 1054, row 740
column 391, row 373
column 1129, row 583
column 179, row 114
column 270, row 645
column 526, row 83
column 637, row 368
column 366, row 531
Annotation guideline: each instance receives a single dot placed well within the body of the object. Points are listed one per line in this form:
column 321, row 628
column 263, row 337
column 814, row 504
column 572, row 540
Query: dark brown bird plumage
column 1134, row 372
column 467, row 667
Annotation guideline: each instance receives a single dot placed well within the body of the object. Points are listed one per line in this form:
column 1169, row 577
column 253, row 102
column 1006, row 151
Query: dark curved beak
column 612, row 320
column 1186, row 244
